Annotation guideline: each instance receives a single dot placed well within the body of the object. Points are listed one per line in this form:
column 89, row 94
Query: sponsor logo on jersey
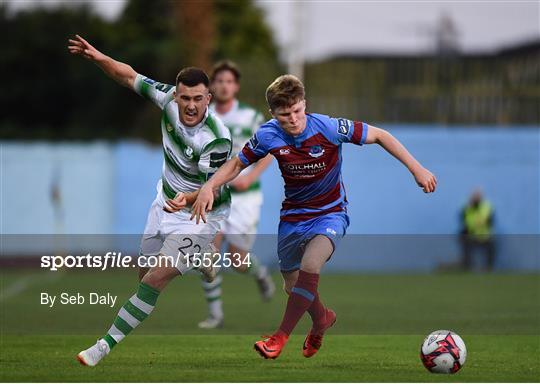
column 148, row 80
column 163, row 87
column 217, row 159
column 169, row 127
column 331, row 231
column 306, row 170
column 309, row 166
column 253, row 142
column 284, row 151
column 316, row 151
column 343, row 127
column 188, row 151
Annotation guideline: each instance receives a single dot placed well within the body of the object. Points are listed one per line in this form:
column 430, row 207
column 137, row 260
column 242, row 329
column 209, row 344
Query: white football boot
column 94, row 354
column 211, row 323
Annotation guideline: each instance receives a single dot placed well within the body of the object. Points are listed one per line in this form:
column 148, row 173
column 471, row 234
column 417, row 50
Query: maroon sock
column 301, row 298
column 317, row 311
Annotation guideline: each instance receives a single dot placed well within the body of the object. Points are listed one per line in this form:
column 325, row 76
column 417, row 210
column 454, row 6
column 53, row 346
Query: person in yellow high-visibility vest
column 477, row 230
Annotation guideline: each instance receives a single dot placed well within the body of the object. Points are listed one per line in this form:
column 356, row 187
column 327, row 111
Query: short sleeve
column 213, row 156
column 349, row 131
column 254, row 150
column 158, row 93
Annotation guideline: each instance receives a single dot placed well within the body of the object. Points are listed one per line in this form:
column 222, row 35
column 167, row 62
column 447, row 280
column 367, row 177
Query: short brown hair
column 285, row 91
column 192, row 76
column 225, row 65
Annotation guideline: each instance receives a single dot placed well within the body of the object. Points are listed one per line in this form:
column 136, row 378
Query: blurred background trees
column 51, row 95
column 48, row 94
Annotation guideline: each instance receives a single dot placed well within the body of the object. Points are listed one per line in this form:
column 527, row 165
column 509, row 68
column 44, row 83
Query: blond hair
column 284, row 91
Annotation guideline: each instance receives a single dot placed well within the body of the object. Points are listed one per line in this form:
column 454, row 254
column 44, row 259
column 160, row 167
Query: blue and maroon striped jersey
column 310, row 163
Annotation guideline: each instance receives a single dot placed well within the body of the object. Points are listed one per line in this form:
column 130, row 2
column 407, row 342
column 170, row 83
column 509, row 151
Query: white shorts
column 170, row 233
column 240, row 228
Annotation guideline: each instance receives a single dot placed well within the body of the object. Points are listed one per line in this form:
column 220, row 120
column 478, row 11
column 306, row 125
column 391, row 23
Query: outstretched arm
column 424, row 178
column 122, row 73
column 205, row 199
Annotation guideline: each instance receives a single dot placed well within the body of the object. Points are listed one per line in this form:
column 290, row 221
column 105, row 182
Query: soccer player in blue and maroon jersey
column 314, row 214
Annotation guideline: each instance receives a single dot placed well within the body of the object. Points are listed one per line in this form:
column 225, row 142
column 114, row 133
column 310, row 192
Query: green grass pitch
column 382, row 320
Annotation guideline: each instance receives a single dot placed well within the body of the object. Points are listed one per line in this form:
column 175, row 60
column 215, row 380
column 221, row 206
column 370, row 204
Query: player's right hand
column 203, row 204
column 79, row 46
column 176, row 204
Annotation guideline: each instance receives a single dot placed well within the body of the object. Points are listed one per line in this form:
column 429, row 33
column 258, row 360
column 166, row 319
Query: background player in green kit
column 239, row 229
column 195, row 144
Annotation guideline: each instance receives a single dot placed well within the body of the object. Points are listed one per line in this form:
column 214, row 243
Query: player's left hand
column 203, row 204
column 425, row 180
column 241, row 183
column 176, row 204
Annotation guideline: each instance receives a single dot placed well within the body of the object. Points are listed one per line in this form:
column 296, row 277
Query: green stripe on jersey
column 203, row 177
column 224, row 197
column 212, row 125
column 214, row 143
column 145, row 89
column 170, row 129
column 168, row 190
column 177, row 168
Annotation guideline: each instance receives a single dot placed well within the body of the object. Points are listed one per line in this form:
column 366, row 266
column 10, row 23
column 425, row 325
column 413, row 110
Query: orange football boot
column 270, row 347
column 313, row 340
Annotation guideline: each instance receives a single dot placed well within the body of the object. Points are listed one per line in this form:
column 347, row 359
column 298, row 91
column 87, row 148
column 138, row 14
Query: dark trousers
column 469, row 244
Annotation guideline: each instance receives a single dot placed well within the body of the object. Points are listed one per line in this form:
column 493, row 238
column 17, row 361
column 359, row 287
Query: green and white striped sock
column 212, row 293
column 134, row 311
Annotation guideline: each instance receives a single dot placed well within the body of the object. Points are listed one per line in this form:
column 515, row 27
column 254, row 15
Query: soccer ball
column 443, row 352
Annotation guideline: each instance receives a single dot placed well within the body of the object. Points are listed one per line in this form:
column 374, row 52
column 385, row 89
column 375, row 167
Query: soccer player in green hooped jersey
column 239, row 229
column 195, row 144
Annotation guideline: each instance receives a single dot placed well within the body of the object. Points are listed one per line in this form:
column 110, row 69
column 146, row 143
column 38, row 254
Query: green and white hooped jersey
column 191, row 154
column 242, row 121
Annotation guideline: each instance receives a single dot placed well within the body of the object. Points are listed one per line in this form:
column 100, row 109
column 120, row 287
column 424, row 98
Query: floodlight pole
column 296, row 53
